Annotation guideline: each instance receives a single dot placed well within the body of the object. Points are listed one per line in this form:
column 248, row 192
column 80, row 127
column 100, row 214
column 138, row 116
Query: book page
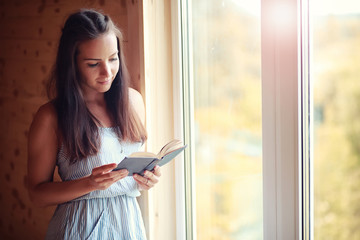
column 143, row 154
column 166, row 149
column 169, row 147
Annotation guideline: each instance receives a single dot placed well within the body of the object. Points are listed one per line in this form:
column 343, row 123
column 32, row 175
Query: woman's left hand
column 149, row 179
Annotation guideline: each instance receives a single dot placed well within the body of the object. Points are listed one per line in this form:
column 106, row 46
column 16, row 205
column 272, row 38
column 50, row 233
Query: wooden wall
column 29, row 31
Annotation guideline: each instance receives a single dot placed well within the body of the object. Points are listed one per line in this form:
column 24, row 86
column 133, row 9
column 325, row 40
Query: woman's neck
column 98, row 108
column 94, row 99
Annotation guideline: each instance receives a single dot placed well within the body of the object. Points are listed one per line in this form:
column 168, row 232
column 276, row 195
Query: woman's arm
column 43, row 147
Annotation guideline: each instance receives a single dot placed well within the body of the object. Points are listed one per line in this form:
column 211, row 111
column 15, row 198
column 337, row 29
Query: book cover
column 140, row 161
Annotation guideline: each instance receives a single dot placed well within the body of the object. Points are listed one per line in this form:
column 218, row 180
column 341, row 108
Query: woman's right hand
column 103, row 177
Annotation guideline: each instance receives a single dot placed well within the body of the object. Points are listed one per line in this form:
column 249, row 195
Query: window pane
column 227, row 112
column 336, row 92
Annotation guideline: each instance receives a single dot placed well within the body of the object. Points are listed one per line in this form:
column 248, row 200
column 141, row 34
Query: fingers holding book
column 102, row 177
column 149, row 179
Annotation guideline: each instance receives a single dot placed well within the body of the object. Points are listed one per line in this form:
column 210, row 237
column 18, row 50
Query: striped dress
column 102, row 214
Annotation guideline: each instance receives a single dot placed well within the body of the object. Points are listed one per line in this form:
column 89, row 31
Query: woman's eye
column 113, row 59
column 93, row 64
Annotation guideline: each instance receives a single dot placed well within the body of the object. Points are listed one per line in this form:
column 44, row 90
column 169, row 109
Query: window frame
column 281, row 117
column 281, row 120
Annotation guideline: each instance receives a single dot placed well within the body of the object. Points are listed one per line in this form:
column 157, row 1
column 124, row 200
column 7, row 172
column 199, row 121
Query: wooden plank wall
column 29, row 31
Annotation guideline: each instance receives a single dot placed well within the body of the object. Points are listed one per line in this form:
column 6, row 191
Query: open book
column 138, row 162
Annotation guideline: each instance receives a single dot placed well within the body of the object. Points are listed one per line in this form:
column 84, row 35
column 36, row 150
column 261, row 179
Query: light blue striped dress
column 103, row 214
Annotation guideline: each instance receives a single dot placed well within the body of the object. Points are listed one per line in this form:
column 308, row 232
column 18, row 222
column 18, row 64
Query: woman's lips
column 104, row 82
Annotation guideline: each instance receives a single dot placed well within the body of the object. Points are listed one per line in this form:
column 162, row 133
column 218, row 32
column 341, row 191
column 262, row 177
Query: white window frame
column 280, row 114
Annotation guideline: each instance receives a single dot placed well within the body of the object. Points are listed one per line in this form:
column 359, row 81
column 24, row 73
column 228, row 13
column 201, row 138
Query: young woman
column 92, row 123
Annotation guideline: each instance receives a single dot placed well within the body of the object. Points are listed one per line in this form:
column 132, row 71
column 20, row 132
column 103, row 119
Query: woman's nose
column 106, row 70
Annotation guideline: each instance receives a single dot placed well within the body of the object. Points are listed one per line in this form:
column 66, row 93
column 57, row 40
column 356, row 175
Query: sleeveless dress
column 102, row 214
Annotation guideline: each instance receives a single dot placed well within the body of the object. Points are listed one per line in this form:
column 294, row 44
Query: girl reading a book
column 92, row 122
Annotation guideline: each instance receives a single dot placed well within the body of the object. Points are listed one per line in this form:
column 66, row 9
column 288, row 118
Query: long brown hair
column 78, row 127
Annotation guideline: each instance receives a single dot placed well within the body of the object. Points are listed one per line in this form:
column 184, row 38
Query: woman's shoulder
column 137, row 102
column 44, row 128
column 46, row 115
column 134, row 95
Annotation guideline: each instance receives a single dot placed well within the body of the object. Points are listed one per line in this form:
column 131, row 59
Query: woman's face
column 98, row 63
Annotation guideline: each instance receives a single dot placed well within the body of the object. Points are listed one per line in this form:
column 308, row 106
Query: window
column 227, row 138
column 336, row 95
column 287, row 201
column 240, row 96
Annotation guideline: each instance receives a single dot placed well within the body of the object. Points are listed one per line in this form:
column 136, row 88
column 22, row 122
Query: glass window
column 335, row 69
column 226, row 85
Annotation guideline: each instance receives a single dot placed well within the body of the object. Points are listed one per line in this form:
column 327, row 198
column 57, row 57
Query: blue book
column 138, row 162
